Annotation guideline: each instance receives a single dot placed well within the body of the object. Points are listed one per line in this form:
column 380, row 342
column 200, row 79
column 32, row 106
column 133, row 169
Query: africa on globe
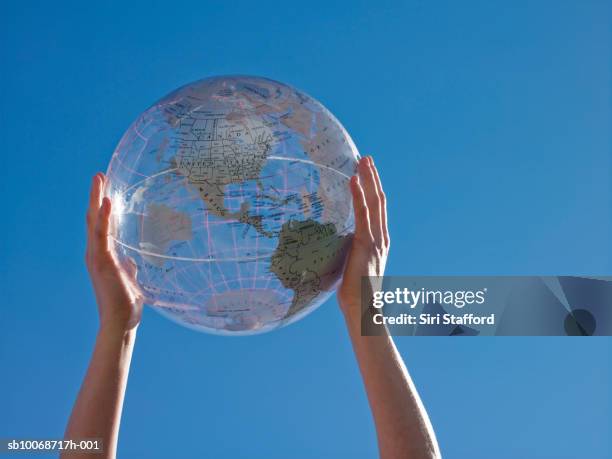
column 231, row 196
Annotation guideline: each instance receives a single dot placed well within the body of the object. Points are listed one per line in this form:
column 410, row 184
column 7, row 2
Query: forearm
column 402, row 425
column 97, row 411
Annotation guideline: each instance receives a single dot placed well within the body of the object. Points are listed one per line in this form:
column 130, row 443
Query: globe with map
column 231, row 197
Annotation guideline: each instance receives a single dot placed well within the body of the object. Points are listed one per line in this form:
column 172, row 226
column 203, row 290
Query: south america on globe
column 231, row 196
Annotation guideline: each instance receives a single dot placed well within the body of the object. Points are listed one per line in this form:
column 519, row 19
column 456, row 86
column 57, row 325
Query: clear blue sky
column 490, row 122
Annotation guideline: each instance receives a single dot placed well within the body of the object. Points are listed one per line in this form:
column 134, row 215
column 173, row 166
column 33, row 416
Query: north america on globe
column 231, row 196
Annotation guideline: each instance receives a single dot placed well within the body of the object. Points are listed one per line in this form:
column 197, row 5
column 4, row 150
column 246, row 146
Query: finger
column 366, row 174
column 362, row 219
column 100, row 236
column 383, row 206
column 95, row 200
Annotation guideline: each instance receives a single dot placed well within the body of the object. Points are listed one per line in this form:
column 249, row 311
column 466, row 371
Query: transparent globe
column 231, row 196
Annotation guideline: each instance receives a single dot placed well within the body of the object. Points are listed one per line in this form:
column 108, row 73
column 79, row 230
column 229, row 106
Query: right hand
column 370, row 248
column 119, row 305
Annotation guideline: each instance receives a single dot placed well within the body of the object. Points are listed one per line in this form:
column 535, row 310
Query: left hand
column 119, row 305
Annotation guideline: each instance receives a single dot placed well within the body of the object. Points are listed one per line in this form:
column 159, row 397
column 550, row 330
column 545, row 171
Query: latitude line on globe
column 168, row 257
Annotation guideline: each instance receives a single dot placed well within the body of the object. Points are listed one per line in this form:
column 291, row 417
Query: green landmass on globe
column 308, row 259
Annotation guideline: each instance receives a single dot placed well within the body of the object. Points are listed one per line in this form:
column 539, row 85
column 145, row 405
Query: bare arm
column 402, row 425
column 97, row 410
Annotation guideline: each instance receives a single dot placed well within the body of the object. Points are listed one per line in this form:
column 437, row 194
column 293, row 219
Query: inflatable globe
column 231, row 196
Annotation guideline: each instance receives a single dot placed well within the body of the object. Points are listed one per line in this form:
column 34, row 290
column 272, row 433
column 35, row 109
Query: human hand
column 119, row 305
column 403, row 428
column 370, row 248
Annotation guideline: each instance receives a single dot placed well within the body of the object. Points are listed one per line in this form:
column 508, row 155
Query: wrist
column 119, row 320
column 117, row 332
